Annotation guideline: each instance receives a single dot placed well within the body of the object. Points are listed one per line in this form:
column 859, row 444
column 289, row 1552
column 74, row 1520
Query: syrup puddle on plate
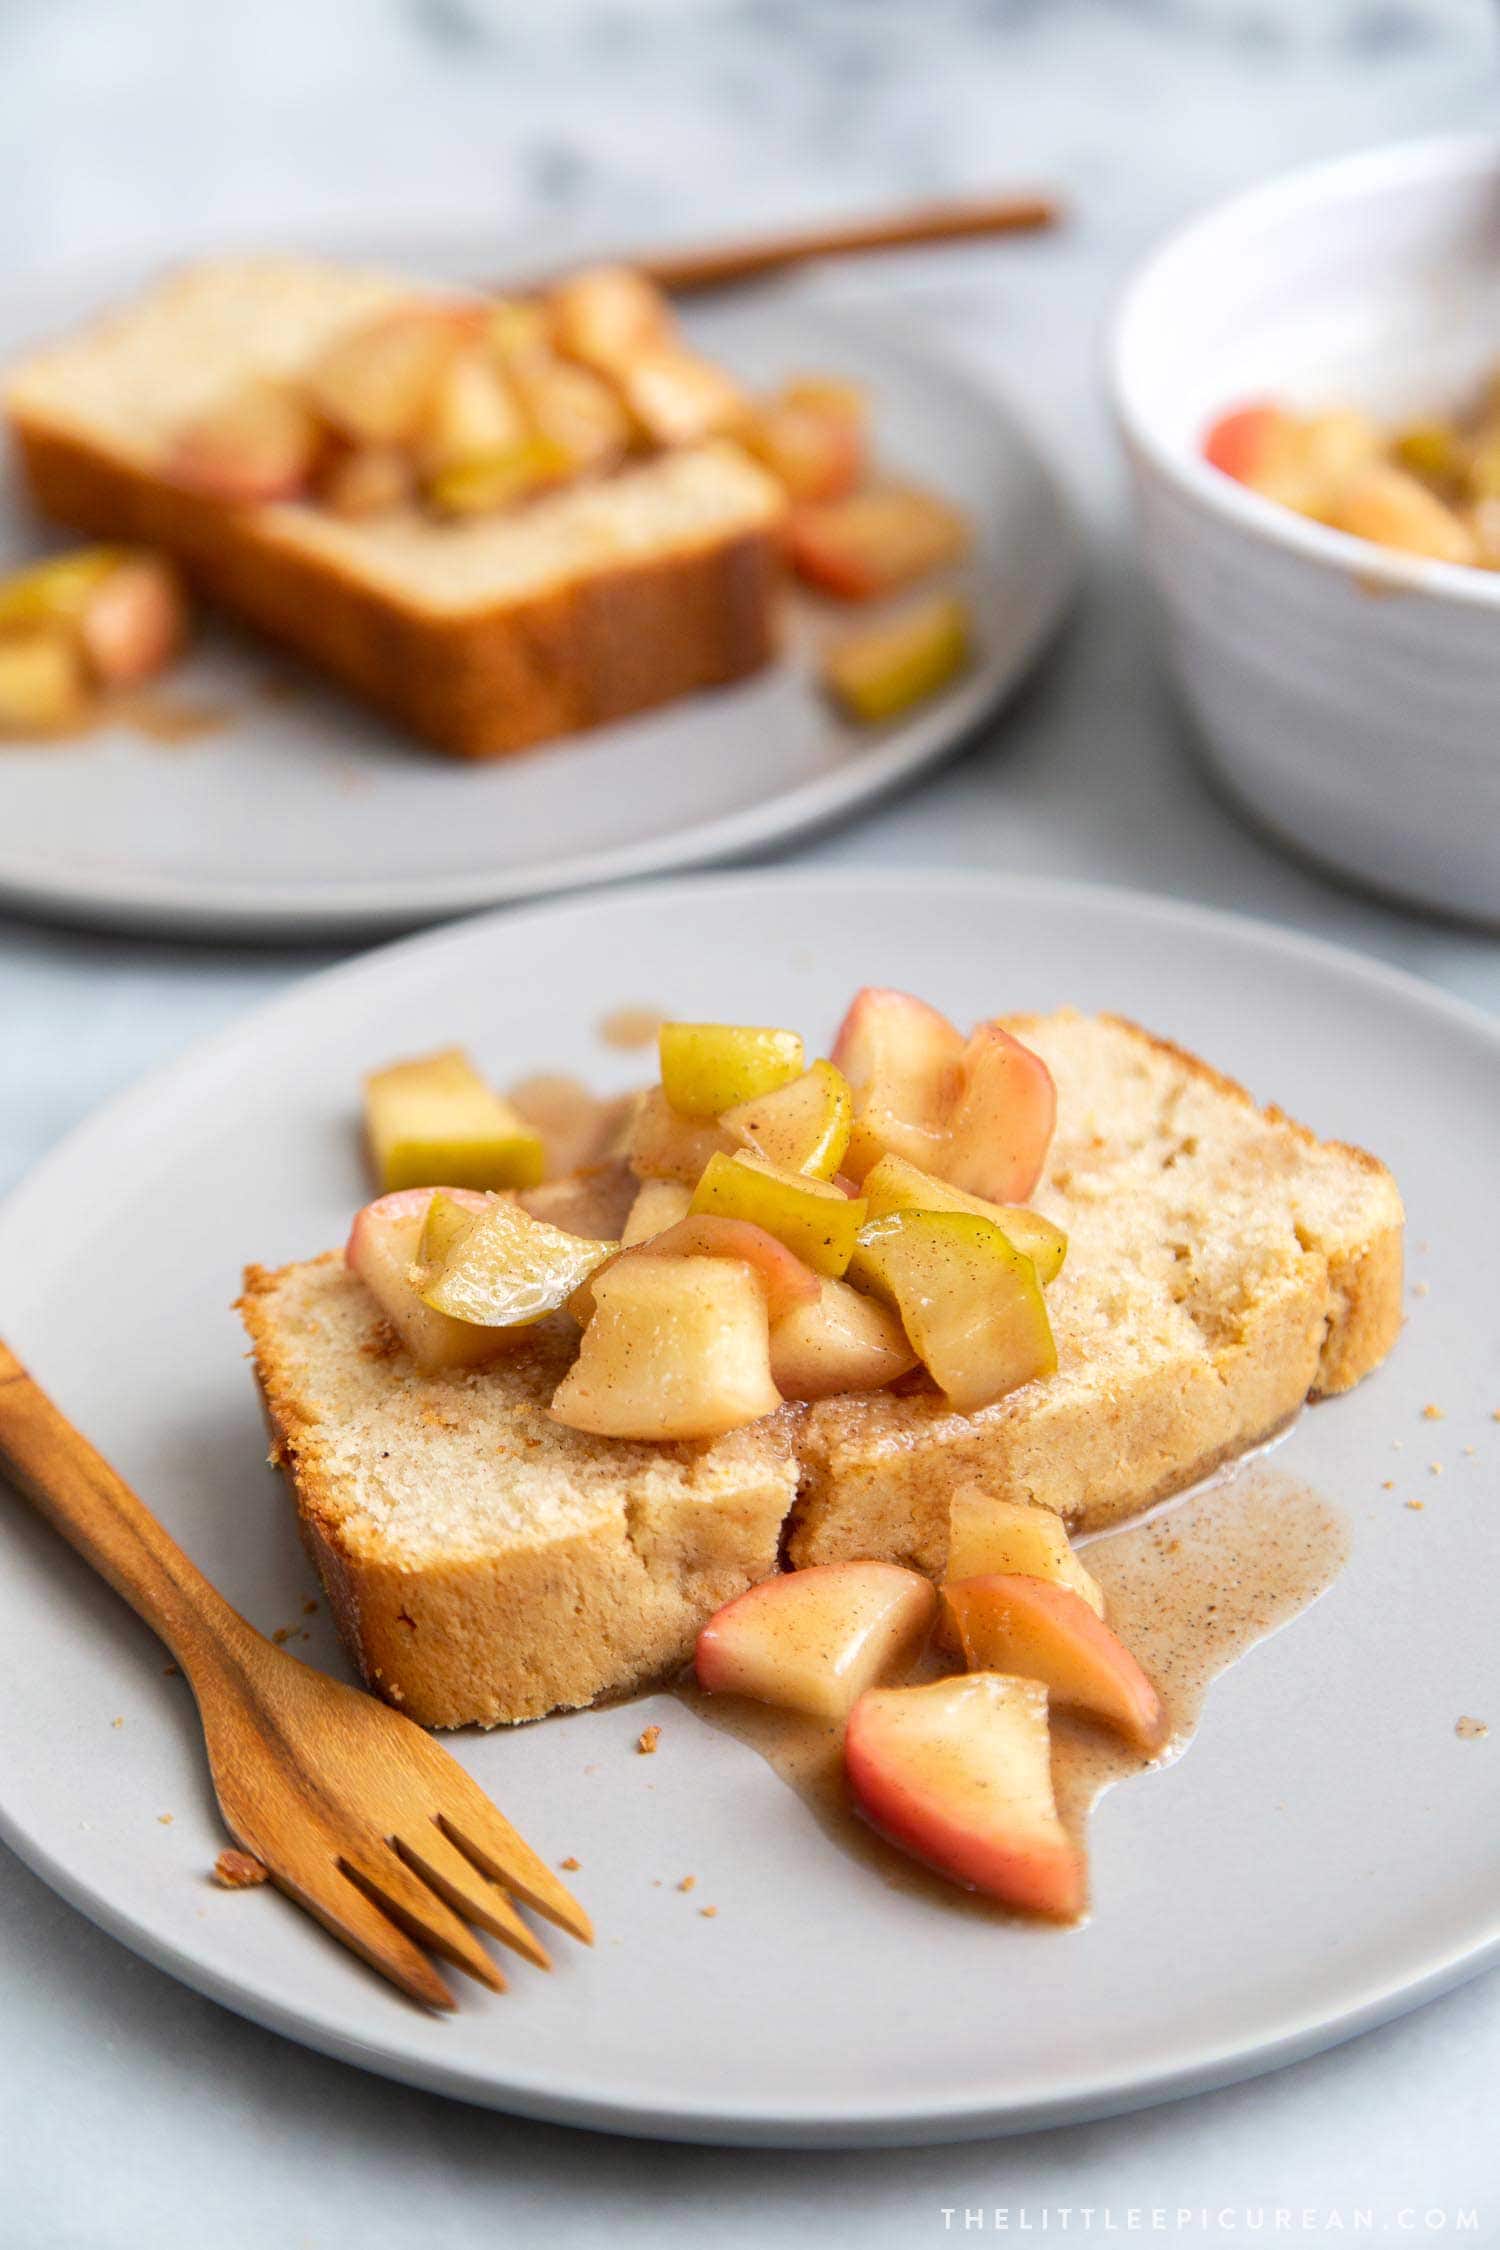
column 1189, row 1589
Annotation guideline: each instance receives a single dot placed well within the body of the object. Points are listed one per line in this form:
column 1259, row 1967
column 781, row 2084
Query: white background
column 131, row 2112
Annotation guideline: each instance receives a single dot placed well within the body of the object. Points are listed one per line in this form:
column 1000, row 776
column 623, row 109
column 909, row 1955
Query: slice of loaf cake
column 484, row 635
column 485, row 1563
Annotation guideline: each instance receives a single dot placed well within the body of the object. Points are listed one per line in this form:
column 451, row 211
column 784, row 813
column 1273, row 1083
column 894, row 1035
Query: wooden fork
column 357, row 1814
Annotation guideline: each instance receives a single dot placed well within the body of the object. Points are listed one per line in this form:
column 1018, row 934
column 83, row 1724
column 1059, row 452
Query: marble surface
column 132, row 2112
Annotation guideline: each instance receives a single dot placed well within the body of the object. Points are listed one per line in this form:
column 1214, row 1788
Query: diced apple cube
column 803, row 1126
column 260, row 443
column 133, row 622
column 481, row 484
column 377, row 382
column 875, row 540
column 901, row 1060
column 709, row 1067
column 674, row 397
column 989, row 1535
column 1048, row 1633
column 959, row 1775
column 42, row 686
column 842, row 1341
column 434, row 1121
column 970, row 1303
column 895, row 1185
column 876, row 675
column 815, row 1640
column 666, row 1146
column 678, row 1349
column 502, row 1268
column 812, row 1217
column 608, row 314
column 473, row 414
column 811, row 436
column 574, row 410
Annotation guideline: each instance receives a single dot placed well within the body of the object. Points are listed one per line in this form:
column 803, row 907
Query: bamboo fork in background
column 357, row 1814
column 718, row 265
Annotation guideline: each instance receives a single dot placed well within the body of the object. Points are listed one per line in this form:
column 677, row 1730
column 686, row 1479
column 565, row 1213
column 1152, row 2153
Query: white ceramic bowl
column 1348, row 696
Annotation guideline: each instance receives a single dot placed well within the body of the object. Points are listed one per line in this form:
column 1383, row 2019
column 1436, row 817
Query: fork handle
column 81, row 1496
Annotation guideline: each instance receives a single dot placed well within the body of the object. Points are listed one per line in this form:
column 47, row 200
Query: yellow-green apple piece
column 504, row 1269
column 678, row 1348
column 815, row 1640
column 900, row 1059
column 959, row 1775
column 381, row 1249
column 843, row 1341
column 1046, row 1632
column 895, row 1185
column 988, row 1534
column 658, row 1204
column 970, row 1303
column 803, row 1126
column 472, row 413
column 433, row 1121
column 812, row 1217
column 42, row 685
column 707, row 1068
column 124, row 608
column 1001, row 1120
column 665, row 1146
column 786, row 1281
column 883, row 671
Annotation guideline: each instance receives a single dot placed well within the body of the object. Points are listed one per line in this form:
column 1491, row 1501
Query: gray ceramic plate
column 303, row 815
column 1327, row 1852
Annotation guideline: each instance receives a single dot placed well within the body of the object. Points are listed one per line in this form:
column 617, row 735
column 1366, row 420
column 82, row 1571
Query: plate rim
column 861, row 2121
column 144, row 902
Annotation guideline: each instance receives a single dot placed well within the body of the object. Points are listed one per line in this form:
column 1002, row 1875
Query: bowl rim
column 1411, row 163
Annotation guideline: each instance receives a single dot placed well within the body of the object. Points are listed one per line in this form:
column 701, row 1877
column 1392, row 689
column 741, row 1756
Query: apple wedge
column 958, row 1774
column 658, row 1204
column 803, row 1126
column 895, row 1185
column 842, row 1341
column 675, row 397
column 785, row 1281
column 472, row 412
column 434, row 1119
column 381, row 1248
column 664, row 1146
column 970, row 1303
column 1046, row 1632
column 988, row 1535
column 709, row 1067
column 811, row 436
column 812, row 1217
column 499, row 1267
column 1002, row 1118
column 815, row 1640
column 678, row 1349
column 260, row 443
column 900, row 1059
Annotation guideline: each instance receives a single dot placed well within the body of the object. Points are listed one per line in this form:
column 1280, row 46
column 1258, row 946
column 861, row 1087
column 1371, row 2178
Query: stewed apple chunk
column 382, row 1246
column 876, row 675
column 812, row 438
column 606, row 315
column 678, row 1348
column 988, row 1534
column 875, row 540
column 814, row 1640
column 1001, row 1122
column 841, row 1341
column 377, row 382
column 499, row 1267
column 658, row 1204
column 802, row 1127
column 676, row 397
column 959, row 1775
column 42, row 686
column 434, row 1119
column 665, row 1146
column 473, row 413
column 969, row 1301
column 900, row 1059
column 707, row 1068
column 895, row 1185
column 260, row 442
column 122, row 609
column 812, row 1217
column 1046, row 1632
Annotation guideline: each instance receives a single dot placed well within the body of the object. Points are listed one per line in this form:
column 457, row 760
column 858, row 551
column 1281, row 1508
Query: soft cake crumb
column 571, row 1864
column 239, row 1871
column 647, row 1740
column 1419, row 1288
column 117, row 1722
column 687, row 1882
column 309, row 1607
column 165, row 1818
column 1471, row 1730
column 708, row 1912
column 1431, row 1413
column 1416, row 1503
column 1434, row 1468
column 1389, row 1485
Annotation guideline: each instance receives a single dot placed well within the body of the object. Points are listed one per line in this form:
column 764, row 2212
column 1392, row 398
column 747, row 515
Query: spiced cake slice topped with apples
column 936, row 1288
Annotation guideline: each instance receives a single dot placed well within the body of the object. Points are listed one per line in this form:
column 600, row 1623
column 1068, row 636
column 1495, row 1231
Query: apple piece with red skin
column 814, row 1640
column 260, row 443
column 1044, row 1631
column 1238, row 442
column 1003, row 1114
column 784, row 1279
column 841, row 1341
column 901, row 1061
column 875, row 540
column 958, row 1774
column 133, row 623
column 381, row 1248
column 678, row 1349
